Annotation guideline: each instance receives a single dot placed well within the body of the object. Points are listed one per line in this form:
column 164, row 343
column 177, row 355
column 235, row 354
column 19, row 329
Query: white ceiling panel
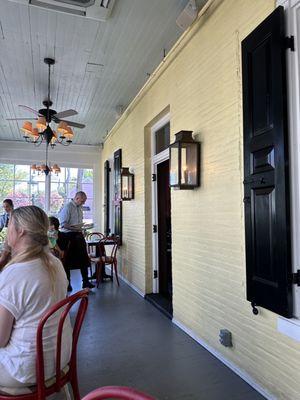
column 99, row 64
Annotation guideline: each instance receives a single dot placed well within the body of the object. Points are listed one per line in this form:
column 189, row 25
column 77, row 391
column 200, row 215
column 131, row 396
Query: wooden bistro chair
column 92, row 239
column 105, row 259
column 68, row 374
column 117, row 392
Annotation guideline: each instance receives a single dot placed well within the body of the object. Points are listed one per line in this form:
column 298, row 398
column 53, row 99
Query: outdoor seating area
column 149, row 199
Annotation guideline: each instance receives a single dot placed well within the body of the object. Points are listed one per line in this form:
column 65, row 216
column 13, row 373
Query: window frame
column 47, row 182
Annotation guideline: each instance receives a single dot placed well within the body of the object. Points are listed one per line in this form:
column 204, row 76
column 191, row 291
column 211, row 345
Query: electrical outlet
column 225, row 337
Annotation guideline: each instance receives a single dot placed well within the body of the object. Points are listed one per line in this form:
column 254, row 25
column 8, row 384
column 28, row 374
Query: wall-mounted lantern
column 127, row 184
column 184, row 161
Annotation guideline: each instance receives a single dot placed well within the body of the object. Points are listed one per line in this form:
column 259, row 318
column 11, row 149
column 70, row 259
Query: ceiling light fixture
column 42, row 130
column 46, row 168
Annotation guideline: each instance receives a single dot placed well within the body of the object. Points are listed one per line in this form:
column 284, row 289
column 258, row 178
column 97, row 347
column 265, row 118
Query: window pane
column 162, row 138
column 66, row 184
column 6, row 181
column 6, row 190
column 87, row 176
column 22, row 172
column 71, row 174
column 59, row 177
column 71, row 189
column 58, row 194
column 87, row 188
column 38, row 194
column 88, row 211
column 21, row 199
column 6, row 172
column 174, row 173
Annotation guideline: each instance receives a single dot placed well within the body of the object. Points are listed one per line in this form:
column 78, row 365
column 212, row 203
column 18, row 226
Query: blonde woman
column 30, row 284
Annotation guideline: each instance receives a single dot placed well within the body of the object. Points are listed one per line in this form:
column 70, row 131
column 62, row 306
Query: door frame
column 155, row 160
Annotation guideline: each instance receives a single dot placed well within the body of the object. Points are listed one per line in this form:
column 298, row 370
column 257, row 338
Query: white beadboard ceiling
column 99, row 65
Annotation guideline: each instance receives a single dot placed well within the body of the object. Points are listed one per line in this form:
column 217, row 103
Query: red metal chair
column 92, row 240
column 69, row 374
column 108, row 260
column 117, row 392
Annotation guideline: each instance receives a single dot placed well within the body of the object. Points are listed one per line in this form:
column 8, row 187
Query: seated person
column 53, row 236
column 32, row 282
column 8, row 207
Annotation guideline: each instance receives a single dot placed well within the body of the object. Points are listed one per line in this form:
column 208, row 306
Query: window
column 66, row 184
column 162, row 138
column 18, row 183
column 25, row 187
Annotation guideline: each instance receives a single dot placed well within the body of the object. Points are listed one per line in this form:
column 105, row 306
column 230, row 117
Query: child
column 53, row 234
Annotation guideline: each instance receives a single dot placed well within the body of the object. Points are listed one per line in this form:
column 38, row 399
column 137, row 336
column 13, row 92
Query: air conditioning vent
column 80, row 3
column 94, row 9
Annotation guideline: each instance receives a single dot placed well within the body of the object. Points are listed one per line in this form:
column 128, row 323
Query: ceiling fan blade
column 21, row 119
column 75, row 124
column 66, row 113
column 29, row 109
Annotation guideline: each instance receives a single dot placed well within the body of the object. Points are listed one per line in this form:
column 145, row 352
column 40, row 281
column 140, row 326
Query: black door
column 117, row 194
column 106, row 198
column 164, row 230
column 266, row 167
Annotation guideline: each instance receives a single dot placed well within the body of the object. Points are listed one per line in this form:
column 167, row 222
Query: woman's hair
column 9, row 202
column 34, row 221
column 55, row 222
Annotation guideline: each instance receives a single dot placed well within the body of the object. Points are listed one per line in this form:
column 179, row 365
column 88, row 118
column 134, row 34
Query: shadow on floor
column 126, row 341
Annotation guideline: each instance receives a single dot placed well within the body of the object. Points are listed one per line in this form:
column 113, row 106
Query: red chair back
column 60, row 380
column 66, row 305
column 115, row 245
column 95, row 236
column 117, row 392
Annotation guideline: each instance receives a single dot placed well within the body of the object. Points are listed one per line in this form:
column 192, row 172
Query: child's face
column 51, row 228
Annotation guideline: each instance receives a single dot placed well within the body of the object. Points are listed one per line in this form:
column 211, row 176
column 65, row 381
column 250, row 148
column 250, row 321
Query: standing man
column 73, row 241
column 8, row 207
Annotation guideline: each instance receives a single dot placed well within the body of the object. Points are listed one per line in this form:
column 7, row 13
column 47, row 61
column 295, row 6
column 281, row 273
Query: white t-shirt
column 25, row 291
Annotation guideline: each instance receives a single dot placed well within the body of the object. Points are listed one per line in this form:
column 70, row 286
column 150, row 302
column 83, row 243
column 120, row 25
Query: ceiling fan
column 44, row 117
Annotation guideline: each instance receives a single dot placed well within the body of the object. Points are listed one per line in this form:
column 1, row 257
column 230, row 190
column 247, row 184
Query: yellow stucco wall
column 201, row 87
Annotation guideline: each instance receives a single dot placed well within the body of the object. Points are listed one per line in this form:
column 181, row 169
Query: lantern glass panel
column 125, row 186
column 130, row 186
column 174, row 176
column 189, row 164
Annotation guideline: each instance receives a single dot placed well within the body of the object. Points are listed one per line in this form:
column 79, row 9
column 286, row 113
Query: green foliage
column 3, row 234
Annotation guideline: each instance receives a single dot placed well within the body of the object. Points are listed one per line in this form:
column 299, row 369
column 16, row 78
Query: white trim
column 160, row 157
column 289, row 327
column 242, row 374
column 111, row 195
column 293, row 100
column 282, row 3
column 155, row 281
column 132, row 286
column 156, row 159
column 47, row 193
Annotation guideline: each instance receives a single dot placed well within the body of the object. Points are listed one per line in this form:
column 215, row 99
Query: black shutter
column 117, row 194
column 266, row 186
column 106, row 198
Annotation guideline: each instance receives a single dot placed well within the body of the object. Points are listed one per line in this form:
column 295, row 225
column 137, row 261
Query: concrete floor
column 127, row 341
